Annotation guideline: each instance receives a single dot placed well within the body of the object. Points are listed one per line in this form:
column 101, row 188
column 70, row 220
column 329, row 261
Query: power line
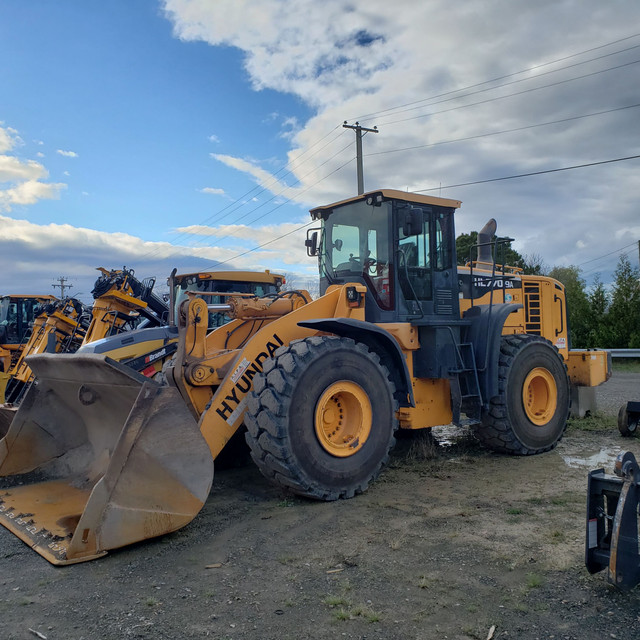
column 633, row 244
column 239, row 255
column 591, row 164
column 509, row 75
column 506, row 84
column 257, row 190
column 495, row 133
column 511, row 95
column 532, row 173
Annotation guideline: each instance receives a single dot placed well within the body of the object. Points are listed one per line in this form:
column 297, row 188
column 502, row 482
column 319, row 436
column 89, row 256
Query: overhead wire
column 258, row 189
column 530, row 173
column 511, row 95
column 495, row 133
column 503, row 77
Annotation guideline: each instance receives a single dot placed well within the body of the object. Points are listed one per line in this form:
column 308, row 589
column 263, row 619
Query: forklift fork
column 612, row 522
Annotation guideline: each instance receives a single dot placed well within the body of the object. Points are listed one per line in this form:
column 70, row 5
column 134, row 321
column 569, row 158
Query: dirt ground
column 451, row 542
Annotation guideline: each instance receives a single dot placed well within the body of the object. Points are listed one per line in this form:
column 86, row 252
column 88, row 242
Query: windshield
column 356, row 245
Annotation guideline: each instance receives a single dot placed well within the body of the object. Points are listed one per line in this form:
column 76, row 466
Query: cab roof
column 390, row 194
column 235, row 276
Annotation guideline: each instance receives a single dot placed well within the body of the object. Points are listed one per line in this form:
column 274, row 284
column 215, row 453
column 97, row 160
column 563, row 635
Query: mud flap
column 98, row 457
column 612, row 523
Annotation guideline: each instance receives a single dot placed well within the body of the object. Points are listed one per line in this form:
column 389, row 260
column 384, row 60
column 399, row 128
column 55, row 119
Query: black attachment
column 612, row 523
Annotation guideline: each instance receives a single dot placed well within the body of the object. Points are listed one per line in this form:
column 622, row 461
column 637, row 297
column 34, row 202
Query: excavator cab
column 215, row 284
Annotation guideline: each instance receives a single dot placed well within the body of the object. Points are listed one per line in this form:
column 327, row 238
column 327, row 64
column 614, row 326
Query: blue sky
column 161, row 133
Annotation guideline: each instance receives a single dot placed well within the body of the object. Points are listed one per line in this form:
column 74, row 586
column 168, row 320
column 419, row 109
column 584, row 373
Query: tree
column 530, row 264
column 599, row 321
column 505, row 253
column 624, row 311
column 578, row 309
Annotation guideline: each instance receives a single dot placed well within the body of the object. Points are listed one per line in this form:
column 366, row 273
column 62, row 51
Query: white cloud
column 267, row 245
column 214, row 138
column 346, row 60
column 29, row 192
column 38, row 251
column 67, row 154
column 8, row 139
column 22, row 181
column 13, row 170
column 213, row 191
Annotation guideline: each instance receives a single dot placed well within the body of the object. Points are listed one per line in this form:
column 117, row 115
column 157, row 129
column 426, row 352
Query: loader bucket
column 6, row 416
column 98, row 457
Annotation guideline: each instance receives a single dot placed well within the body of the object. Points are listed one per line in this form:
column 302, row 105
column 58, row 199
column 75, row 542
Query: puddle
column 448, row 435
column 604, row 458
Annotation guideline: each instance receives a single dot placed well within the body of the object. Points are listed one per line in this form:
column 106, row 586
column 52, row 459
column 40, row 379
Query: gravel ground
column 620, row 389
column 452, row 542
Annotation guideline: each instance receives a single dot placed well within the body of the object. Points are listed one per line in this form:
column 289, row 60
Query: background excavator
column 122, row 302
column 17, row 315
column 100, row 456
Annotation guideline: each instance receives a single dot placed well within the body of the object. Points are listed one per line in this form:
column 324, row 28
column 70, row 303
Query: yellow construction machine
column 57, row 328
column 17, row 315
column 146, row 350
column 122, row 302
column 99, row 456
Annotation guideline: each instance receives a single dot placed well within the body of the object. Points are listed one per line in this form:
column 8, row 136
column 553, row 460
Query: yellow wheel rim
column 343, row 419
column 540, row 396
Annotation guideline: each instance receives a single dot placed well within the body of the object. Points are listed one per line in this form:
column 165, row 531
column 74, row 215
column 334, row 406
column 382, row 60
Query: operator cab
column 216, row 284
column 17, row 314
column 400, row 245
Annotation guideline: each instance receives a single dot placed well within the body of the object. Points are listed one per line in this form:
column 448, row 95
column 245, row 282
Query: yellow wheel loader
column 99, row 456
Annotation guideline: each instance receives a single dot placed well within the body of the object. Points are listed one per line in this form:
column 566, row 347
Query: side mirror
column 413, row 223
column 311, row 243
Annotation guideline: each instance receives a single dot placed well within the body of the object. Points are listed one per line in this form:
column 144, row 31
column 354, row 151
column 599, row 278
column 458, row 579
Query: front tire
column 321, row 417
column 529, row 414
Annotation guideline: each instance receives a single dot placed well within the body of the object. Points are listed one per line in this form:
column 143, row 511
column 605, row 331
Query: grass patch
column 631, row 365
column 336, row 601
column 534, row 580
column 596, row 422
column 345, row 610
column 514, row 511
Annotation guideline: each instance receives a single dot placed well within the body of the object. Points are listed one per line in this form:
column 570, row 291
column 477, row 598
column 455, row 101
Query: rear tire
column 529, row 414
column 626, row 427
column 321, row 417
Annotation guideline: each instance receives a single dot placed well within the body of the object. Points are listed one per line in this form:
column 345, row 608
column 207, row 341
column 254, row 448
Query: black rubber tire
column 626, row 427
column 281, row 409
column 506, row 427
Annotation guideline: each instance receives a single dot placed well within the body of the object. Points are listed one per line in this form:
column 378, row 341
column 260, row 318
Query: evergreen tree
column 624, row 311
column 466, row 242
column 578, row 309
column 600, row 324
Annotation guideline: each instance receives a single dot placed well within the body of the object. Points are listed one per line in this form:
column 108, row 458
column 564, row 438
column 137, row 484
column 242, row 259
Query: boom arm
column 214, row 380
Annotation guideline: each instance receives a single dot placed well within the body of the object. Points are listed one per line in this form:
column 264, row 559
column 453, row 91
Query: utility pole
column 358, row 129
column 62, row 286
